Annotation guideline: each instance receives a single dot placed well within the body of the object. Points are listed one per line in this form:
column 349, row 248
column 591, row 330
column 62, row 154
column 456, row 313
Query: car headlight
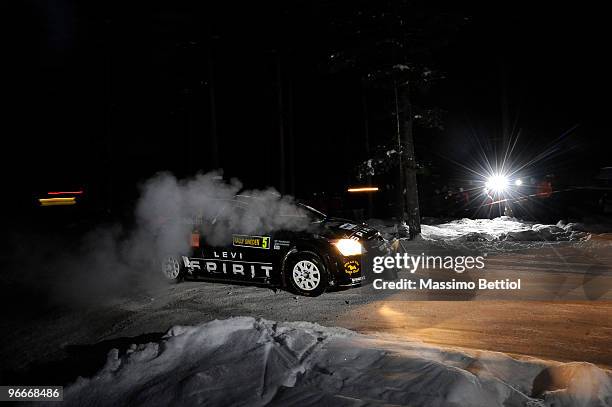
column 348, row 247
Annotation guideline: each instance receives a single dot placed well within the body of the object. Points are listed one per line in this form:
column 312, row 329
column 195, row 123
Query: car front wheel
column 307, row 274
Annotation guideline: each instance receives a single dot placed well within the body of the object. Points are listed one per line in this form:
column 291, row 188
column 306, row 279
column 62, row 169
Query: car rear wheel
column 307, row 274
column 171, row 268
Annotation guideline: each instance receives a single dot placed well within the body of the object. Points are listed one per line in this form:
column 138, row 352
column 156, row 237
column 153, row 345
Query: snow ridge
column 244, row 361
column 503, row 229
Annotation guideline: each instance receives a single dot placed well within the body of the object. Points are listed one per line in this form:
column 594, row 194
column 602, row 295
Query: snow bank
column 501, row 229
column 253, row 362
column 599, row 228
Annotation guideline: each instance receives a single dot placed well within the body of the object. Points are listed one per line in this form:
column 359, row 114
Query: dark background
column 102, row 95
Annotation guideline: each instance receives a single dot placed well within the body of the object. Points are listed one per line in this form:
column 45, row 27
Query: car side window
column 246, row 221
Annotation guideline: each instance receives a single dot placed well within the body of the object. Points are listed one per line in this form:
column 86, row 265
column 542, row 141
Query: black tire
column 307, row 274
column 172, row 268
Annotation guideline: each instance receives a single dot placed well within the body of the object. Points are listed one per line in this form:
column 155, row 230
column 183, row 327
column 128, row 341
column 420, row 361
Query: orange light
column 195, row 239
column 65, row 193
column 363, row 189
column 57, row 201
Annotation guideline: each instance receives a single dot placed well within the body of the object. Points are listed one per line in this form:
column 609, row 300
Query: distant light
column 57, row 201
column 518, row 182
column 65, row 193
column 497, row 183
column 195, row 239
column 363, row 189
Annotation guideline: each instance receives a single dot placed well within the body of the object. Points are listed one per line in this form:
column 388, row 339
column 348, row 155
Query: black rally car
column 330, row 252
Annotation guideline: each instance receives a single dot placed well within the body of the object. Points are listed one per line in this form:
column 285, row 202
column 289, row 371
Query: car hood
column 337, row 228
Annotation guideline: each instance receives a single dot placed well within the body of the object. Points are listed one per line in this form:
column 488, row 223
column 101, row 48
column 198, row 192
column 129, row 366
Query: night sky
column 103, row 91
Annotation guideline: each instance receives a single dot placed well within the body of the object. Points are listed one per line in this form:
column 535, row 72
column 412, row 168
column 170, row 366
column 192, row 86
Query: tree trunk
column 410, row 193
column 401, row 202
column 290, row 135
column 366, row 132
column 214, row 139
column 281, row 126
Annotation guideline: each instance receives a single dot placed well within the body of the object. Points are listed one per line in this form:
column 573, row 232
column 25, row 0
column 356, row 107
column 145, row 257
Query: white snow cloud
column 115, row 261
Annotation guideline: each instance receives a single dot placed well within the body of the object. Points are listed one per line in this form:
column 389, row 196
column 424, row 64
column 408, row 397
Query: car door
column 244, row 256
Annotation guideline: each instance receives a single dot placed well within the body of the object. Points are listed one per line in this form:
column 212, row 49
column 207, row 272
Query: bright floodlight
column 497, row 183
column 518, row 182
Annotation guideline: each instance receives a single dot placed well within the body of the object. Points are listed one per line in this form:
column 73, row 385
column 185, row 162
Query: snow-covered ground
column 252, row 362
column 501, row 234
column 503, row 229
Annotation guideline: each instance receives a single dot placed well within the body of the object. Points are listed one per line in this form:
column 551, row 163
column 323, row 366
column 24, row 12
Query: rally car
column 331, row 252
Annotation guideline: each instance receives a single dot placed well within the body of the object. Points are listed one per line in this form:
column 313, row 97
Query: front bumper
column 355, row 270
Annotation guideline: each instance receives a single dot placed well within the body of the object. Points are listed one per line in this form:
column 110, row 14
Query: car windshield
column 312, row 213
column 226, row 209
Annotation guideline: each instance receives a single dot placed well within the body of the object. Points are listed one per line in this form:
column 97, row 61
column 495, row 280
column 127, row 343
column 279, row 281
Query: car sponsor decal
column 358, row 279
column 348, row 226
column 279, row 243
column 352, row 267
column 357, row 231
column 257, row 242
column 248, row 269
column 190, row 265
